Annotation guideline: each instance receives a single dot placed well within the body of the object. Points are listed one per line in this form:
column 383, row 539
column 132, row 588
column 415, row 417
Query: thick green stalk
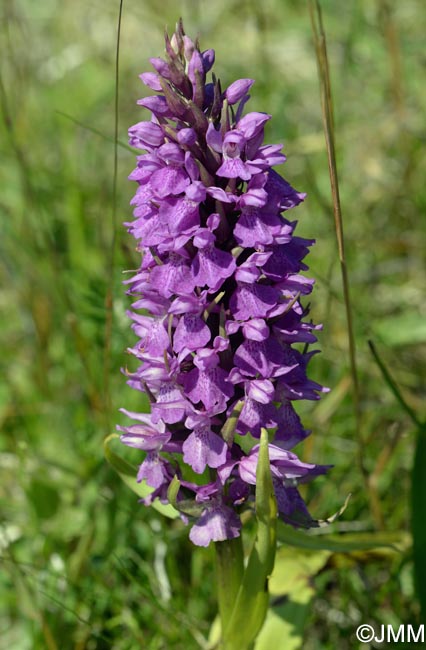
column 230, row 569
column 252, row 602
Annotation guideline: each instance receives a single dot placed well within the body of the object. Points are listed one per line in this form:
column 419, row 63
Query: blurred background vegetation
column 83, row 565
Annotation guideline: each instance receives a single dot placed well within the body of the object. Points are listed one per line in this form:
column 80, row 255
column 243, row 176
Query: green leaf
column 345, row 543
column 127, row 473
column 229, row 573
column 293, row 570
column 252, row 601
column 228, row 429
column 408, row 328
column 296, row 563
column 418, row 520
column 186, row 506
column 292, row 581
column 173, row 490
column 283, row 627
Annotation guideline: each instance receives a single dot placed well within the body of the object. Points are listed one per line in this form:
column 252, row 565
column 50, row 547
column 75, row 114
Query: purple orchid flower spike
column 216, row 301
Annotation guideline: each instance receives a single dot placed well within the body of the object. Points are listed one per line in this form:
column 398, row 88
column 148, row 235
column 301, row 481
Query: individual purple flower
column 203, row 448
column 206, row 382
column 217, row 523
column 211, row 265
column 191, row 333
column 232, row 149
column 218, row 520
column 173, row 275
column 216, row 301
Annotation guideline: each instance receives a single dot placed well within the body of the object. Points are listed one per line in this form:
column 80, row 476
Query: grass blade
column 393, row 386
column 92, row 129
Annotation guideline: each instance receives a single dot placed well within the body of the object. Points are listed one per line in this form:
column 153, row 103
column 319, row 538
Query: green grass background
column 83, row 565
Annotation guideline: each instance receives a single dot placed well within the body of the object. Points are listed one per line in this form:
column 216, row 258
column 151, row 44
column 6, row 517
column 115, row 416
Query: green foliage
column 292, row 592
column 252, row 599
column 347, row 543
column 297, row 564
column 84, row 565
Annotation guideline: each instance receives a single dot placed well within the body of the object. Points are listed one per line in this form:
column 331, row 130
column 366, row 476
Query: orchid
column 217, row 299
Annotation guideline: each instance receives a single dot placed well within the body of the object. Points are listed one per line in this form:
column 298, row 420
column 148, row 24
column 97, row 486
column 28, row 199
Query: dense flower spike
column 220, row 280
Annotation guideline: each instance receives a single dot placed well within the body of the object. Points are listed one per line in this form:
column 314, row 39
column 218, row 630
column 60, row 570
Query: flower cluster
column 220, row 279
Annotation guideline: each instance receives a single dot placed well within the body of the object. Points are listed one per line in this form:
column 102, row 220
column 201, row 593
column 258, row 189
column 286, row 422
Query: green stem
column 230, row 569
